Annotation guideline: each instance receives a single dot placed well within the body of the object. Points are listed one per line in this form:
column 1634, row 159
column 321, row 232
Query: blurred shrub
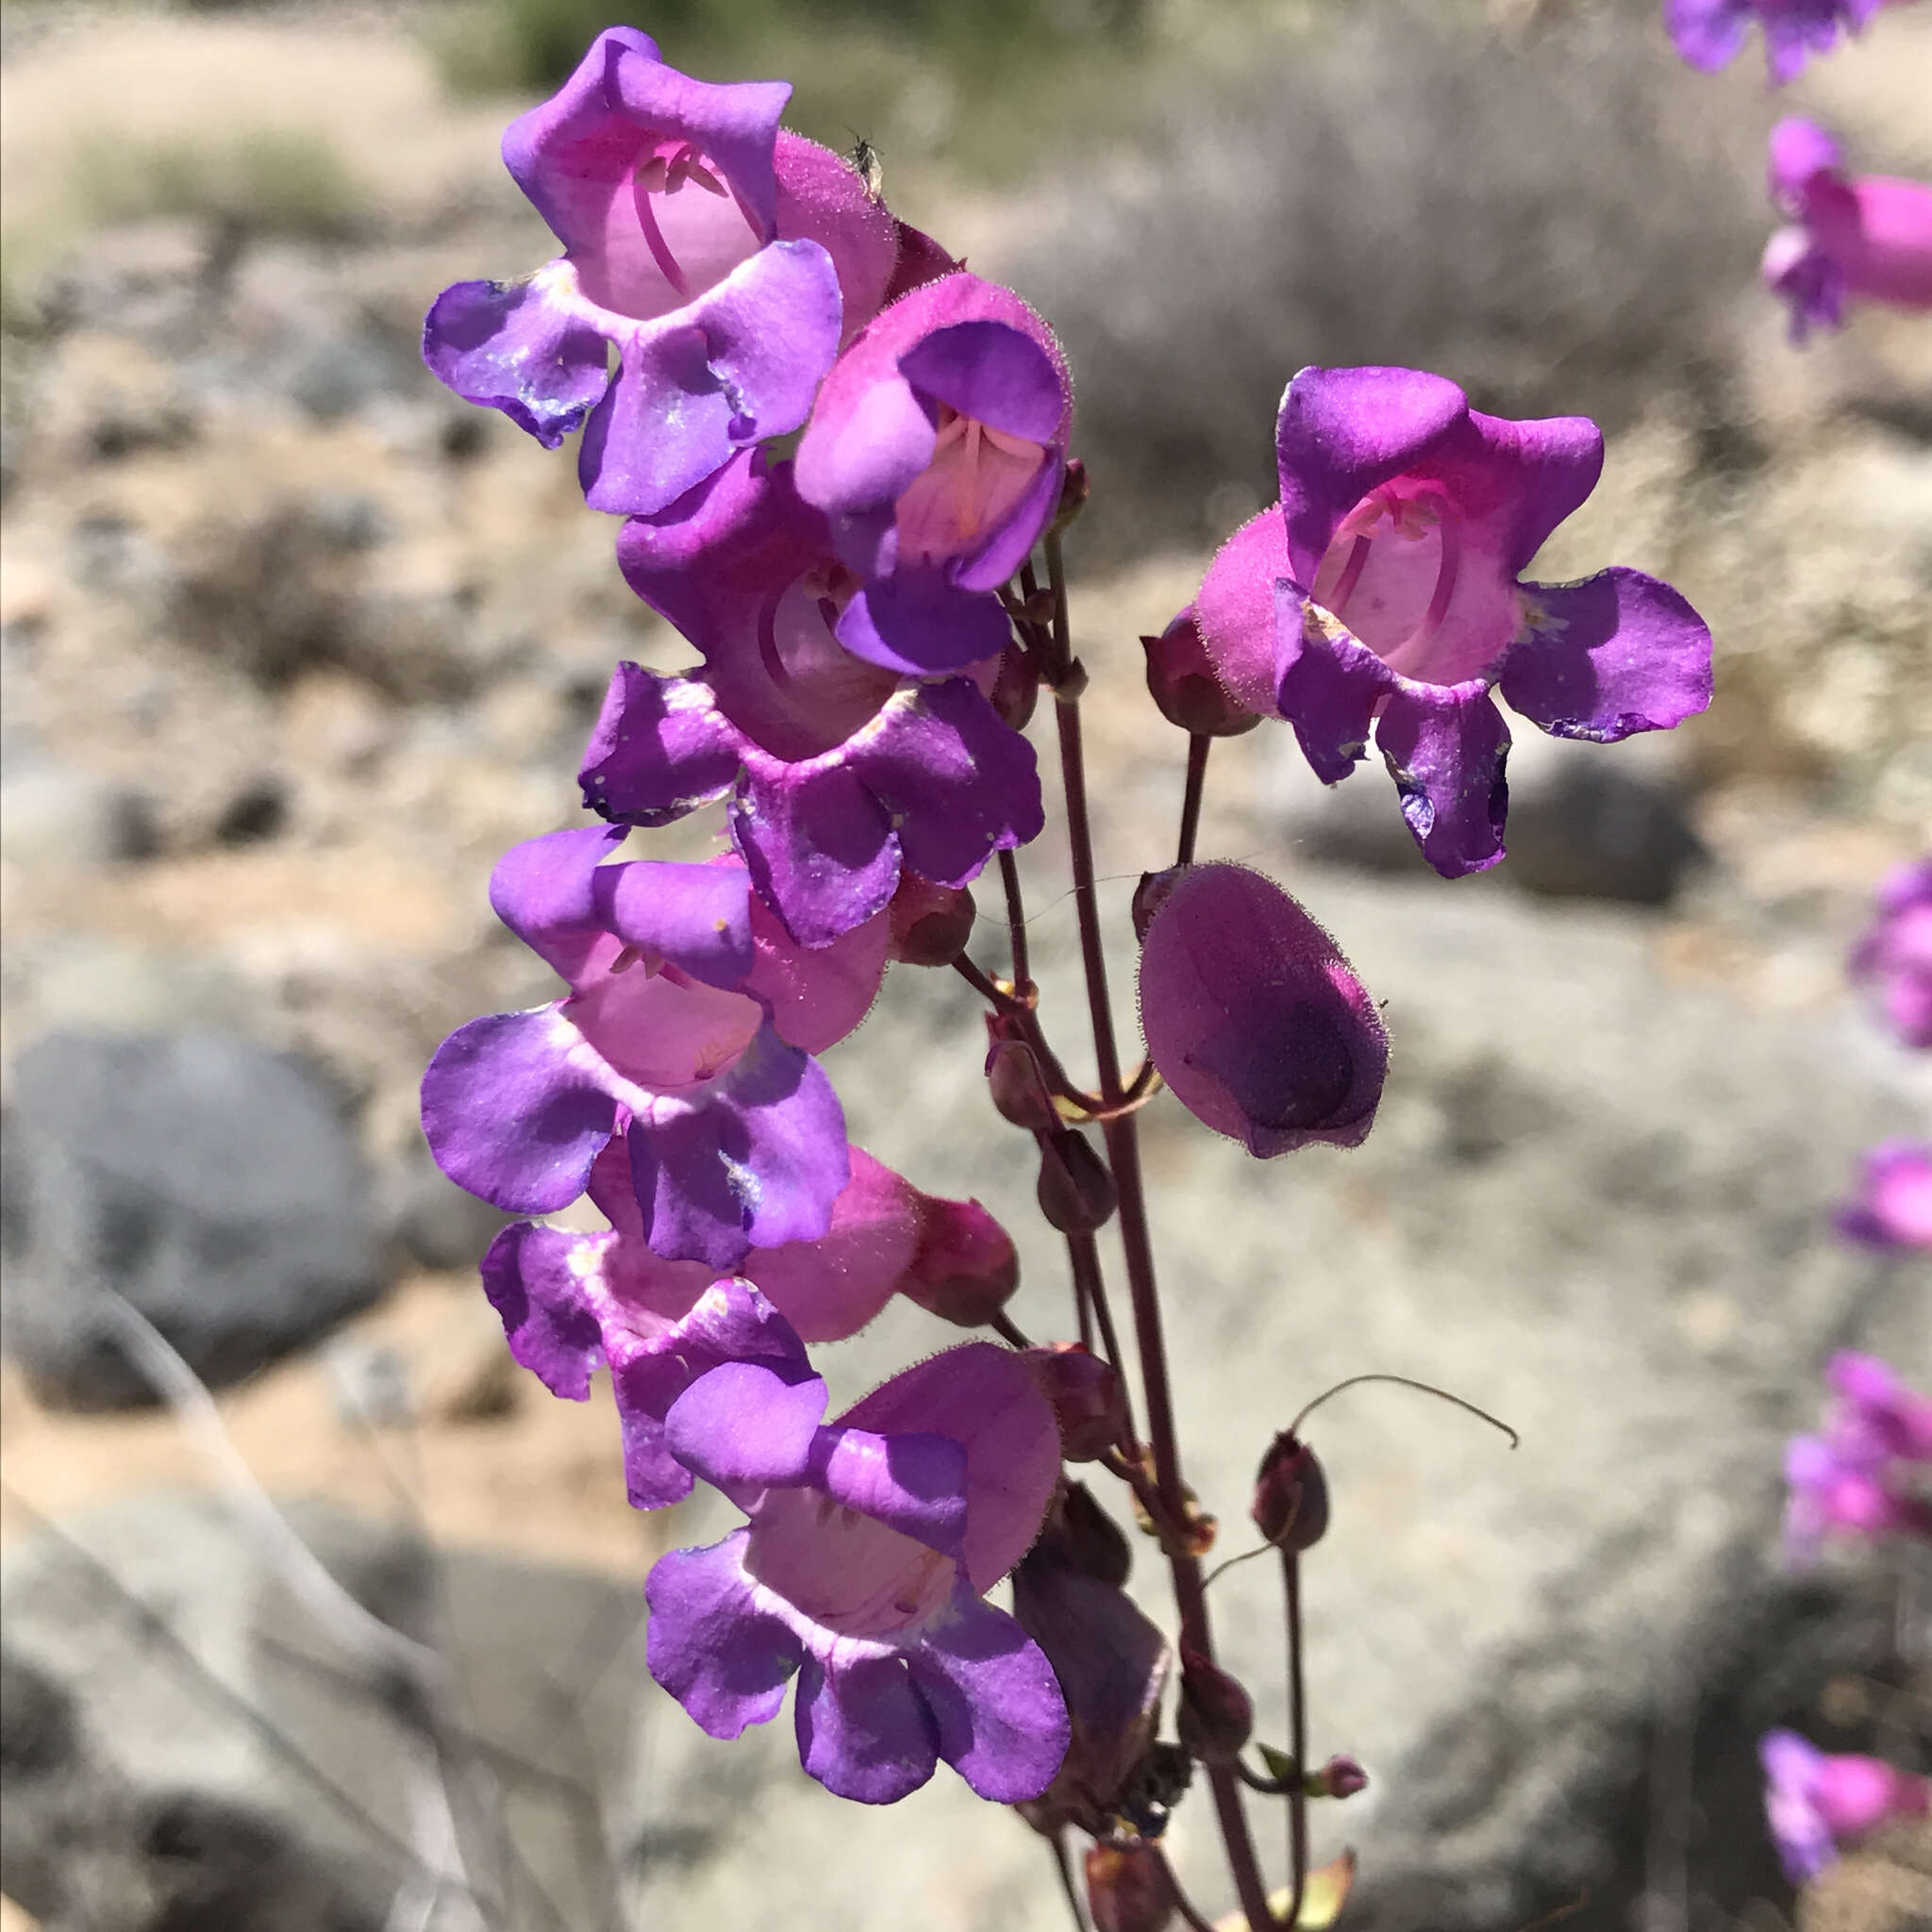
column 1560, row 222
column 263, row 181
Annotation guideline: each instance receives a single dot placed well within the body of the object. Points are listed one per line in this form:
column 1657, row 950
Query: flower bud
column 1075, row 1191
column 1075, row 486
column 965, row 1268
column 1088, row 1398
column 1291, row 1507
column 1181, row 679
column 1340, row 1777
column 1253, row 1017
column 930, row 923
column 1083, row 1536
column 1012, row 1074
column 1015, row 687
column 1216, row 1715
column 1127, row 1889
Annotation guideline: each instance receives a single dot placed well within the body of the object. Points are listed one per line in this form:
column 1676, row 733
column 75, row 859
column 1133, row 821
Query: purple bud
column 1075, row 1191
column 1182, row 682
column 1216, row 1715
column 1291, row 1507
column 1080, row 1534
column 930, row 923
column 1089, row 1398
column 1074, row 490
column 1340, row 1777
column 1015, row 687
column 1127, row 1889
column 1253, row 1016
column 1012, row 1074
column 966, row 1267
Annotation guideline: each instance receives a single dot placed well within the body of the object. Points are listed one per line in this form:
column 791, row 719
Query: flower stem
column 1297, row 1736
column 1016, row 919
column 1199, row 745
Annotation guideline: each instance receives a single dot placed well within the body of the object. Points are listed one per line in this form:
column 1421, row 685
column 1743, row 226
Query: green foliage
column 268, row 182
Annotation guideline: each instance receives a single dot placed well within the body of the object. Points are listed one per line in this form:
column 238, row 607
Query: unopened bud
column 1127, row 1889
column 1013, row 1076
column 1083, row 1536
column 1216, row 1715
column 930, row 923
column 1088, row 1399
column 965, row 1268
column 1181, row 681
column 1074, row 490
column 1075, row 1191
column 1016, row 688
column 1153, row 888
column 1291, row 1507
column 1340, row 1777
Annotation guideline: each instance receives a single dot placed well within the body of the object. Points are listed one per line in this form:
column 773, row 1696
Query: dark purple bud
column 1016, row 688
column 1012, row 1074
column 1340, row 1777
column 1291, row 1507
column 965, row 1268
column 1074, row 491
column 1127, row 1889
column 1216, row 1715
column 1252, row 1015
column 1081, row 1534
column 1181, row 679
column 1088, row 1398
column 930, row 923
column 1075, row 1191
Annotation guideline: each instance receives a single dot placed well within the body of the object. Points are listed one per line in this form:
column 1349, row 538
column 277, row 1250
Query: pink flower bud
column 1181, row 679
column 1127, row 1890
column 930, row 923
column 1015, row 687
column 1087, row 1396
column 1253, row 1016
column 965, row 1268
column 1291, row 1507
column 1340, row 1777
column 1012, row 1074
column 1075, row 1191
column 1216, row 1715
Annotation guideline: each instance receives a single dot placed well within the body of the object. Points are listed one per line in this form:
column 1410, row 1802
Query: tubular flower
column 1896, row 953
column 1384, row 592
column 1710, row 33
column 1869, row 235
column 863, row 1568
column 724, row 260
column 688, row 1030
column 937, row 449
column 1814, row 1800
column 1252, row 1015
column 840, row 776
column 1864, row 1474
column 1893, row 1208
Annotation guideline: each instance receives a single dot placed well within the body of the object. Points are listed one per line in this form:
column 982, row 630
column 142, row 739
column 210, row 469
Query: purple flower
column 937, row 448
column 1813, row 1800
column 1893, row 1208
column 1896, row 952
column 863, row 1568
column 1869, row 236
column 841, row 774
column 1252, row 1015
column 1862, row 1475
column 1384, row 593
column 724, row 260
column 687, row 1030
column 1710, row 33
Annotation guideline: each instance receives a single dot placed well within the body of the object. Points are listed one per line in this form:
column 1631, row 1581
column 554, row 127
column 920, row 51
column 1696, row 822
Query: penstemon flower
column 1815, row 1800
column 1864, row 1475
column 1895, row 953
column 1710, row 33
column 1384, row 593
column 1892, row 1207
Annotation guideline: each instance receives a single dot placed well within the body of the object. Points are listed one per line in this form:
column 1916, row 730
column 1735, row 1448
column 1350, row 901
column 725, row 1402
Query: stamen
column 1351, row 574
column 768, row 635
column 647, row 221
column 1424, row 633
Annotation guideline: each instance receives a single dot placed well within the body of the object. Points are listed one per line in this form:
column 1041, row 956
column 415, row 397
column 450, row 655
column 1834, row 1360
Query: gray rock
column 210, row 1181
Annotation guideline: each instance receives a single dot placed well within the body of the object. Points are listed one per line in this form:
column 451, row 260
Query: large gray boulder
column 210, row 1181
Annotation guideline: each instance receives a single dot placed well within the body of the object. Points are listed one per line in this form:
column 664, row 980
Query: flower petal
column 918, row 623
column 709, row 1644
column 1327, row 684
column 529, row 1279
column 743, row 1428
column 1445, row 750
column 522, row 348
column 696, row 916
column 863, row 1731
column 659, row 750
column 820, row 849
column 541, row 890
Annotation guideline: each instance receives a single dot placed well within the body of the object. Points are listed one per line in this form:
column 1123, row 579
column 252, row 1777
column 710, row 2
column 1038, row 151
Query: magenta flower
column 841, row 774
column 1252, row 1015
column 687, row 1030
column 1864, row 1474
column 937, row 448
column 1710, row 33
column 863, row 1568
column 1384, row 593
column 1814, row 1800
column 1893, row 1208
column 1869, row 236
column 722, row 259
column 1896, row 953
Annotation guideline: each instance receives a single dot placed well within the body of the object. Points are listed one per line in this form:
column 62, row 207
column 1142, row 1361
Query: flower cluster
column 1867, row 1472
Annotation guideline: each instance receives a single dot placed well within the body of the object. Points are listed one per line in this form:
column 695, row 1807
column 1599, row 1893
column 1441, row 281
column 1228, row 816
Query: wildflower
column 841, row 777
column 1813, row 1800
column 937, row 449
column 863, row 1568
column 722, row 259
column 1895, row 954
column 1863, row 1473
column 1384, row 591
column 1709, row 34
column 1252, row 1015
column 688, row 1030
column 1893, row 1208
column 1869, row 235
